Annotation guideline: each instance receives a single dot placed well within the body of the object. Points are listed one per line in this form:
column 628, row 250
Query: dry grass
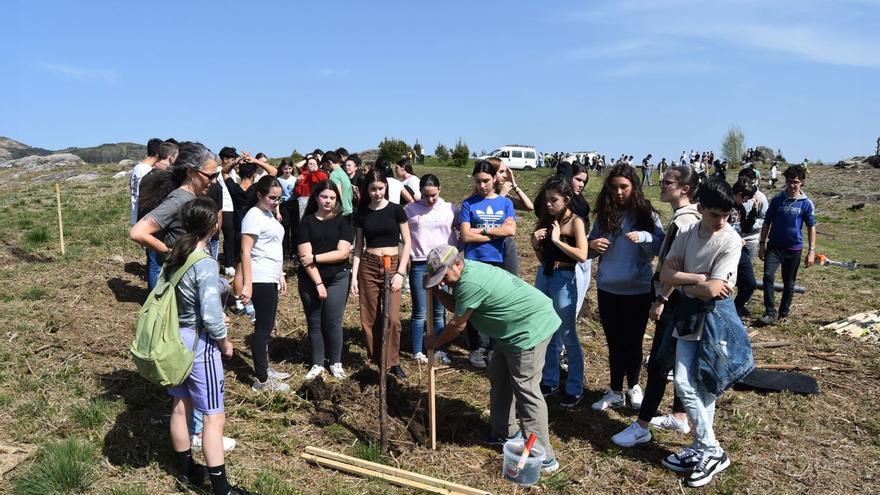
column 68, row 321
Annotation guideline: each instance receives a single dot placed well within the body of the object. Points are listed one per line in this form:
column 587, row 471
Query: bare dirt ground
column 67, row 322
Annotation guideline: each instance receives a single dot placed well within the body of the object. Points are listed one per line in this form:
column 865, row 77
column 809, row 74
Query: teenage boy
column 139, row 171
column 331, row 162
column 712, row 352
column 520, row 319
column 228, row 158
column 742, row 219
column 782, row 243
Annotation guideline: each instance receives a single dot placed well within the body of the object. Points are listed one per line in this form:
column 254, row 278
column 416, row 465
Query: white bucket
column 531, row 472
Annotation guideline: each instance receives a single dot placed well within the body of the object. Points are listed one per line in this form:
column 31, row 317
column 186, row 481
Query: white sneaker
column 337, row 371
column 269, row 385
column 230, row 271
column 278, row 375
column 632, row 435
column 420, row 357
column 610, row 399
column 196, row 442
column 442, row 358
column 477, row 360
column 669, row 422
column 708, row 467
column 635, row 397
column 316, row 371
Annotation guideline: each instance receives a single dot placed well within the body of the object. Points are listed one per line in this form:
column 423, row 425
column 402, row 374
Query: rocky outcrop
column 859, row 162
column 42, row 163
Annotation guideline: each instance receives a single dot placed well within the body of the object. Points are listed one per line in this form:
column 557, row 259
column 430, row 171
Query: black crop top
column 553, row 254
column 381, row 227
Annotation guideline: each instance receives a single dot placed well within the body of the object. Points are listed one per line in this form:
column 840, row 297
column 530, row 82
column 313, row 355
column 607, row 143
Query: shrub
column 460, row 154
column 296, row 156
column 37, row 236
column 442, row 153
column 732, row 147
column 93, row 414
column 66, row 466
column 393, row 149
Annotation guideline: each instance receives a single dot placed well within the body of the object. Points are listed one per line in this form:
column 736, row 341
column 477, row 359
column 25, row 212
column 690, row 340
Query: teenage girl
column 487, row 220
column 261, row 262
column 678, row 187
column 432, row 223
column 560, row 243
column 310, row 175
column 408, row 178
column 380, row 227
column 626, row 236
column 200, row 312
column 325, row 239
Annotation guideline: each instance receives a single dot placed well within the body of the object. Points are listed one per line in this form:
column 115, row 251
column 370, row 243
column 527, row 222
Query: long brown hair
column 608, row 214
column 198, row 217
column 559, row 184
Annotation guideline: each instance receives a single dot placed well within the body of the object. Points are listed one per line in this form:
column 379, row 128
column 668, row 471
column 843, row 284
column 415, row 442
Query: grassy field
column 70, row 396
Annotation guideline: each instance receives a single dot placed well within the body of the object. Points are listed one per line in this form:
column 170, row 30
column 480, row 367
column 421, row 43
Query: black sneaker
column 397, row 372
column 767, row 320
column 237, row 490
column 547, row 391
column 487, row 438
column 708, row 467
column 682, row 462
column 196, row 478
column 569, row 401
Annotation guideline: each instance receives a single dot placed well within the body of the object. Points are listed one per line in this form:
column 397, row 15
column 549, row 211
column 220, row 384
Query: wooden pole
column 400, row 473
column 60, row 220
column 383, row 365
column 429, row 330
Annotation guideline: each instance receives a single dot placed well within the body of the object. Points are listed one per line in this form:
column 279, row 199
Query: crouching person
column 713, row 351
column 200, row 313
column 520, row 319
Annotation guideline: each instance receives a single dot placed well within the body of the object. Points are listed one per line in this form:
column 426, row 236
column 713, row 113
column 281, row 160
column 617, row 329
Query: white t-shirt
column 227, row 198
column 394, row 187
column 716, row 256
column 413, row 183
column 138, row 173
column 267, row 255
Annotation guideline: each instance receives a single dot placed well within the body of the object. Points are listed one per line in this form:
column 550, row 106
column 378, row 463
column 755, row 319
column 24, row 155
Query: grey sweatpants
column 515, row 378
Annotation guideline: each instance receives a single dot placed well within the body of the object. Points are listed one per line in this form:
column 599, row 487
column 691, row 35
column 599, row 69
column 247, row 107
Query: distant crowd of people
column 339, row 222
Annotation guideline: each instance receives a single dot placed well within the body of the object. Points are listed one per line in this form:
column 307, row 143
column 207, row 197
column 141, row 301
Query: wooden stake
column 389, row 470
column 321, row 461
column 432, row 408
column 383, row 365
column 60, row 221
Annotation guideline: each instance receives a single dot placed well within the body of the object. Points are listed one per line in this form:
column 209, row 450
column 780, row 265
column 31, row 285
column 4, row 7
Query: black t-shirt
column 581, row 208
column 381, row 227
column 239, row 201
column 324, row 236
column 215, row 192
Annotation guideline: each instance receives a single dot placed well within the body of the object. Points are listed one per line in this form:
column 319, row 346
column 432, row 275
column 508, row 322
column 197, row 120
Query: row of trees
column 394, row 149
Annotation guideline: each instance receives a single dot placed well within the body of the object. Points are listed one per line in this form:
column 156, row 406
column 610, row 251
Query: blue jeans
column 698, row 401
column 561, row 288
column 196, row 423
column 582, row 278
column 215, row 248
column 790, row 261
column 745, row 281
column 153, row 268
column 417, row 272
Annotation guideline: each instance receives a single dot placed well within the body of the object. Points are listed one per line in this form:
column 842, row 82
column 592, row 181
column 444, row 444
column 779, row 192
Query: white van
column 516, row 156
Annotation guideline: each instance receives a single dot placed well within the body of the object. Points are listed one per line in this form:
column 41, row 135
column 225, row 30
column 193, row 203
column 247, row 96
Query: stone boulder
column 42, row 163
column 89, row 177
column 127, row 163
column 765, row 154
column 122, row 175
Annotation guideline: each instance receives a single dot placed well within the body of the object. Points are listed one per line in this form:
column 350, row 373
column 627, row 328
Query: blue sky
column 629, row 76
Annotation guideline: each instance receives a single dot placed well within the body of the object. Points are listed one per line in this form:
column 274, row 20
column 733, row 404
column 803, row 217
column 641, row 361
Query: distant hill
column 11, row 149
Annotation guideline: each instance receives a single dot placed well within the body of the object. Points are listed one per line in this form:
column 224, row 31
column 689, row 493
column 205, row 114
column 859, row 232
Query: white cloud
column 81, row 74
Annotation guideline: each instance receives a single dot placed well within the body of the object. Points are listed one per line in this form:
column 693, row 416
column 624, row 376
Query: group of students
column 688, row 293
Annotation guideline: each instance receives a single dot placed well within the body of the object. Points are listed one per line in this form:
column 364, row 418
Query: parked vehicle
column 516, row 156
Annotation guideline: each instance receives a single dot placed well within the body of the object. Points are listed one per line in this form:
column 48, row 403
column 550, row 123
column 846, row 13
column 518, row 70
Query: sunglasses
column 210, row 177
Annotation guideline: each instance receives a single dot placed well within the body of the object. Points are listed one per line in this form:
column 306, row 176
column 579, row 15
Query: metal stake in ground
column 429, row 330
column 383, row 360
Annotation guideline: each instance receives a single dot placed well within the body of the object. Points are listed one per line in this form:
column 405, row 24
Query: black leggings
column 661, row 361
column 229, row 239
column 624, row 318
column 265, row 299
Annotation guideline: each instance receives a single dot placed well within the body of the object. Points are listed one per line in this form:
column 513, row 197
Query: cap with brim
column 439, row 260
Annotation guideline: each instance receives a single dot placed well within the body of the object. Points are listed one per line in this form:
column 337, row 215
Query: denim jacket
column 725, row 352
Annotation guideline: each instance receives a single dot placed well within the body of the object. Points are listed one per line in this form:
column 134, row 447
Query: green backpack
column 158, row 350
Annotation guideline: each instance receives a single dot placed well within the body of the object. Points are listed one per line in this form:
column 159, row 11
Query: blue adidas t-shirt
column 485, row 212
